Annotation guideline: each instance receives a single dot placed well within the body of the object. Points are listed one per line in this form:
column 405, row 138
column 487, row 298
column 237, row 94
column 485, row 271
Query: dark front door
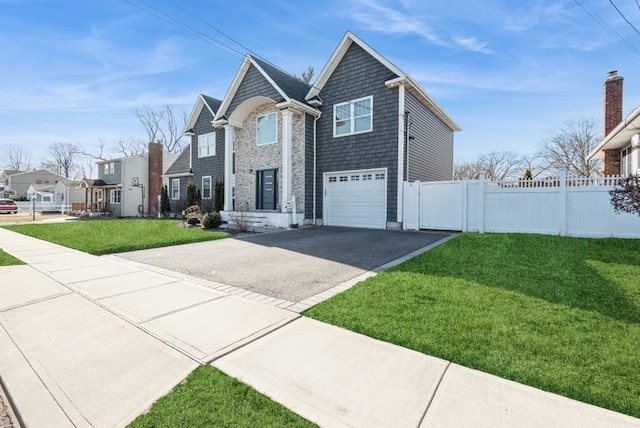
column 266, row 189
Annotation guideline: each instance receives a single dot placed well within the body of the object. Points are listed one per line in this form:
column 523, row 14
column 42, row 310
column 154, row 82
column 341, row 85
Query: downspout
column 315, row 178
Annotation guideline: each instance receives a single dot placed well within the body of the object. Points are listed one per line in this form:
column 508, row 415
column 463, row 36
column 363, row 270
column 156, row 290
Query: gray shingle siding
column 180, row 204
column 207, row 166
column 254, row 84
column 360, row 75
column 109, row 178
column 431, row 150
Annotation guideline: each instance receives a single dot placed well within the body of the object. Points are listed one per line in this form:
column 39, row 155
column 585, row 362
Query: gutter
column 622, row 126
column 315, row 178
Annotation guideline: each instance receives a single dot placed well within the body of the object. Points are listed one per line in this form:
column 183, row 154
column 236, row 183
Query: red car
column 8, row 206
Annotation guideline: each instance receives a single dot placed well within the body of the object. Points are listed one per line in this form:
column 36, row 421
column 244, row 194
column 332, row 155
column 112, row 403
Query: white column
column 229, row 134
column 287, row 158
column 401, row 139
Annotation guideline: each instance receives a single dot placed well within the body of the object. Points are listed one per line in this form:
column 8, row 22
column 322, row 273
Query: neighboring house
column 341, row 148
column 620, row 148
column 40, row 192
column 5, row 192
column 128, row 186
column 67, row 192
column 19, row 182
column 202, row 162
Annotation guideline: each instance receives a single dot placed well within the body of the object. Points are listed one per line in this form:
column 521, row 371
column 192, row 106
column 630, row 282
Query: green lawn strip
column 210, row 398
column 560, row 314
column 8, row 259
column 115, row 236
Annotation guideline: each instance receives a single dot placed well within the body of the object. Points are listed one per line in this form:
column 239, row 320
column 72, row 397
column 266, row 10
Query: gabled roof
column 403, row 78
column 90, row 182
column 42, row 187
column 212, row 104
column 181, row 165
column 9, row 172
column 291, row 89
column 619, row 137
column 38, row 171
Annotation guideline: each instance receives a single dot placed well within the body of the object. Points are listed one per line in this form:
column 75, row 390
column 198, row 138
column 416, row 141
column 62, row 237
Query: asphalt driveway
column 291, row 265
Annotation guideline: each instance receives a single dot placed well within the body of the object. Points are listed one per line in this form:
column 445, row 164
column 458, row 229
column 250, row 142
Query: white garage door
column 356, row 199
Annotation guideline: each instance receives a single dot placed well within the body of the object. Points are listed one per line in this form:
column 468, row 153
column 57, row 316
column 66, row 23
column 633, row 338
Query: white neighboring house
column 67, row 192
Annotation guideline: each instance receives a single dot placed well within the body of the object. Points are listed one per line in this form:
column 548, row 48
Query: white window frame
column 204, row 142
column 112, row 196
column 352, row 118
column 204, row 196
column 175, row 190
column 275, row 135
column 106, row 168
column 626, row 164
column 112, row 167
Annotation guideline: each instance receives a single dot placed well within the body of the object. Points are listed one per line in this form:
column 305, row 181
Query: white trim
column 297, row 105
column 425, row 99
column 195, row 113
column 207, row 135
column 258, row 143
column 173, row 181
column 352, row 117
column 210, row 187
column 401, row 141
column 229, row 132
column 337, row 56
column 619, row 136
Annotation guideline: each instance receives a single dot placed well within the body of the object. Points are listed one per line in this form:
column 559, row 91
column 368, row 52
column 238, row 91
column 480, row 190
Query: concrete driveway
column 292, row 265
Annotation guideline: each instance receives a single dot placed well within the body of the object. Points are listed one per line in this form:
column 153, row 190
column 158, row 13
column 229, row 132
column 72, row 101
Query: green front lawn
column 115, row 236
column 209, row 398
column 8, row 259
column 560, row 314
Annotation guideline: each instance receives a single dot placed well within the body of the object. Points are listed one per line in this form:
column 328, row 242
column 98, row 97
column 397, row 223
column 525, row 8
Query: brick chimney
column 155, row 176
column 612, row 117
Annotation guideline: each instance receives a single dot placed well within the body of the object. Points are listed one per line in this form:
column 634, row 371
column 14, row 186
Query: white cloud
column 472, row 44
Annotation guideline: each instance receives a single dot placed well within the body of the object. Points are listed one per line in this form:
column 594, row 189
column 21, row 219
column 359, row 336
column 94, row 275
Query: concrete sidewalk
column 88, row 341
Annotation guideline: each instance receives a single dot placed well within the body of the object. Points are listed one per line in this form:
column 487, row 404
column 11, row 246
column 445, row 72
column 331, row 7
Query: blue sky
column 507, row 72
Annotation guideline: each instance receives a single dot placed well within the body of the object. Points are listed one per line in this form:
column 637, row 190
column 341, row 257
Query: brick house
column 620, row 147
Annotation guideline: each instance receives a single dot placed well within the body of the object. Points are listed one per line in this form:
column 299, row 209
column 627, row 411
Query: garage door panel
column 356, row 199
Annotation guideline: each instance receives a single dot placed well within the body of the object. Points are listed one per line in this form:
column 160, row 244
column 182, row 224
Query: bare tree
column 62, row 161
column 129, row 147
column 567, row 148
column 535, row 164
column 466, row 170
column 17, row 159
column 165, row 124
column 306, row 76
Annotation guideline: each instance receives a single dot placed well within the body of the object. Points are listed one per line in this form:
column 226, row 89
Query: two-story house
column 333, row 153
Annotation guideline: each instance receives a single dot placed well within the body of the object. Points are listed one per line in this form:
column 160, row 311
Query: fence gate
column 441, row 205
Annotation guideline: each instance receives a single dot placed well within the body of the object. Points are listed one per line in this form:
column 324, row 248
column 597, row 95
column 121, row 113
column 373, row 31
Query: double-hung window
column 625, row 162
column 115, row 196
column 266, row 129
column 207, row 145
column 175, row 188
column 206, row 187
column 353, row 117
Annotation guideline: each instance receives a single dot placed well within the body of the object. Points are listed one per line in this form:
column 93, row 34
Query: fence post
column 465, row 205
column 481, row 207
column 563, row 203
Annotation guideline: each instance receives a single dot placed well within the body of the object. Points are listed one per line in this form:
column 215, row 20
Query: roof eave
column 619, row 136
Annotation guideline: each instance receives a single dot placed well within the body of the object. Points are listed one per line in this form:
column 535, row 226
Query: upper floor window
column 106, row 168
column 207, row 145
column 353, row 117
column 267, row 130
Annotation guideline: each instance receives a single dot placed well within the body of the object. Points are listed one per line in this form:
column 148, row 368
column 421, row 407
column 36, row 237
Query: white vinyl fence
column 563, row 206
column 27, row 207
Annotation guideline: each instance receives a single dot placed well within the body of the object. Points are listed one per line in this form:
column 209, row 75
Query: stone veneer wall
column 251, row 158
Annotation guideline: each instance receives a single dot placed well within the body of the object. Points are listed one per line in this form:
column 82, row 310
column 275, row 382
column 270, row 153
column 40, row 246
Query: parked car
column 8, row 206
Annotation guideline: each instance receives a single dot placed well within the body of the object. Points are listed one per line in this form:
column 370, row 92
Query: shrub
column 211, row 220
column 165, row 207
column 192, row 194
column 625, row 196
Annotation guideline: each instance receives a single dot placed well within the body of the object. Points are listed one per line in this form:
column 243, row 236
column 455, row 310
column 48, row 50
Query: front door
column 266, row 189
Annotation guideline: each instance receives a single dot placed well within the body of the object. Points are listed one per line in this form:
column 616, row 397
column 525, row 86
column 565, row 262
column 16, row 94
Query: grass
column 210, row 398
column 8, row 259
column 560, row 314
column 115, row 236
